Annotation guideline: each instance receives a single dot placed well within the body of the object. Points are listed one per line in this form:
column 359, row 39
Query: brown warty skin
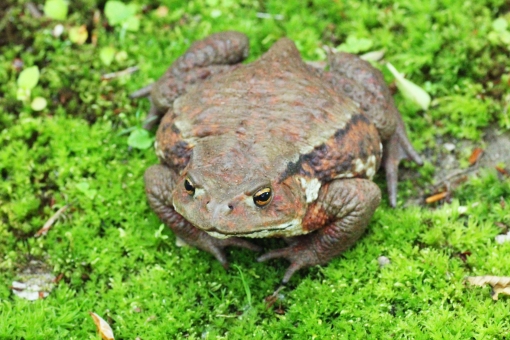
column 274, row 148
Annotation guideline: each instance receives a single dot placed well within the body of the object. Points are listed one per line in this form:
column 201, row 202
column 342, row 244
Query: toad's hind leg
column 365, row 84
column 340, row 214
column 159, row 184
column 216, row 54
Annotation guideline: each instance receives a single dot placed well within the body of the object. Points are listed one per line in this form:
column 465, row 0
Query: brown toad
column 274, row 148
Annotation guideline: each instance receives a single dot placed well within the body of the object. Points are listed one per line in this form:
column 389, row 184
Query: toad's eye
column 262, row 197
column 188, row 185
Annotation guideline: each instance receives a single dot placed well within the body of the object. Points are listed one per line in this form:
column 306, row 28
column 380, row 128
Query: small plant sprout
column 123, row 16
column 106, row 54
column 500, row 35
column 27, row 80
column 159, row 233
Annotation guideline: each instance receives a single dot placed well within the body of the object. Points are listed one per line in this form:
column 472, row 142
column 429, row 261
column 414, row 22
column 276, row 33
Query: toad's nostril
column 231, row 206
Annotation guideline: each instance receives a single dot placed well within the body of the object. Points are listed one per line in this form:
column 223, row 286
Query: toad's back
column 276, row 113
column 275, row 99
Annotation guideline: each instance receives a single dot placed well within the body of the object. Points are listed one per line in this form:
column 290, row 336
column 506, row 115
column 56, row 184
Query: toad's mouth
column 287, row 229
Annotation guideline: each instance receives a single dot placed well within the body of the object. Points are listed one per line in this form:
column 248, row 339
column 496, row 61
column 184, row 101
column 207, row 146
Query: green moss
column 107, row 245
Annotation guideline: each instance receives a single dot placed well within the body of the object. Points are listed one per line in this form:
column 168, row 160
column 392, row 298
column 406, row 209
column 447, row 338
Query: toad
column 273, row 148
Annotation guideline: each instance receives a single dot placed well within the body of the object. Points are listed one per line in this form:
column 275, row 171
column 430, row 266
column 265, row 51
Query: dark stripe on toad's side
column 357, row 140
column 176, row 152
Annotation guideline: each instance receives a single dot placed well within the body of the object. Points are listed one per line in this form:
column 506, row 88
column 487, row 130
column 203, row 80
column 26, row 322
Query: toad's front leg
column 340, row 215
column 159, row 184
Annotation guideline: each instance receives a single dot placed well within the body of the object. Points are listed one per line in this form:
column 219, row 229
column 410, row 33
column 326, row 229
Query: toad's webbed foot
column 396, row 149
column 217, row 246
column 300, row 255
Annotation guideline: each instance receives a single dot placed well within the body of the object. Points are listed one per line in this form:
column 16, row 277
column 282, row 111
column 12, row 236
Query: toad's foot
column 301, row 255
column 397, row 148
column 339, row 217
column 159, row 183
column 217, row 246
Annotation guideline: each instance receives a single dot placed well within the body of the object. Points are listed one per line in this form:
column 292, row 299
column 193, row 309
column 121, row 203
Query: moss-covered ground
column 108, row 248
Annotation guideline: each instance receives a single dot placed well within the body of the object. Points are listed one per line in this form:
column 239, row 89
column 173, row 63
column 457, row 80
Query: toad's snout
column 219, row 209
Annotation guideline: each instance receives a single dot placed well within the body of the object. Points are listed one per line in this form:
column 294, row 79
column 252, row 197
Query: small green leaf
column 132, row 24
column 410, row 90
column 84, row 188
column 499, row 25
column 355, row 45
column 78, row 34
column 117, row 12
column 505, row 37
column 121, row 56
column 56, row 9
column 38, row 104
column 132, row 8
column 23, row 94
column 215, row 13
column 373, row 55
column 140, row 139
column 28, row 78
column 106, row 54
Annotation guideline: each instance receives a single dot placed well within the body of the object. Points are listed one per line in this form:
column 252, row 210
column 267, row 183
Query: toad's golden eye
column 262, row 197
column 188, row 185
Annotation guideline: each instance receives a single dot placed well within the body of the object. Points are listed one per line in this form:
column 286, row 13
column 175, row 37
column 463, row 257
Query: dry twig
column 127, row 71
column 47, row 226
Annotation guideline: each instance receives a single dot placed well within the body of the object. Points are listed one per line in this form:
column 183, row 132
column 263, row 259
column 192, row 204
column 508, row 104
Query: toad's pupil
column 189, row 187
column 263, row 197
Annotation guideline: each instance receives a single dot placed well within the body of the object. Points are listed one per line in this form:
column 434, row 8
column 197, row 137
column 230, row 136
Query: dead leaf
column 502, row 226
column 103, row 327
column 475, row 156
column 500, row 284
column 502, row 171
column 162, row 11
column 463, row 256
column 436, row 197
column 58, row 278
